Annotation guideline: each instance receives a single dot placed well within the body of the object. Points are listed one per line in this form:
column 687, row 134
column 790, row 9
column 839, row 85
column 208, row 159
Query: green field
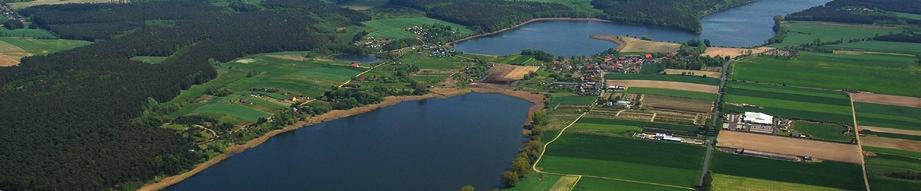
column 824, row 174
column 535, row 182
column 43, row 46
column 673, row 93
column 823, row 131
column 722, row 182
column 892, row 161
column 395, row 28
column 804, row 32
column 879, row 46
column 674, row 78
column 590, row 184
column 571, row 99
column 890, row 116
column 31, row 33
column 885, row 74
column 790, row 102
column 285, row 77
column 604, row 151
column 621, row 126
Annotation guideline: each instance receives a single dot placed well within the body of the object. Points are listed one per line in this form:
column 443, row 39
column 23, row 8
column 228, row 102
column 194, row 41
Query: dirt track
column 867, row 97
column 902, row 144
column 791, row 146
column 666, row 85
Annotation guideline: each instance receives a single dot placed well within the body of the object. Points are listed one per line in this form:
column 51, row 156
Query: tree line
column 488, row 15
column 677, row 14
column 861, row 12
column 67, row 122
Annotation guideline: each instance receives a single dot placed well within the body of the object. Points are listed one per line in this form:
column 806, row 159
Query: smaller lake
column 436, row 144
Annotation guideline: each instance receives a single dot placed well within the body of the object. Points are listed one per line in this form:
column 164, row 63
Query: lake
column 435, row 144
column 744, row 26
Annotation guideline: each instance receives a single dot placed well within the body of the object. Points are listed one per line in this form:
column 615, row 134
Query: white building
column 758, row 118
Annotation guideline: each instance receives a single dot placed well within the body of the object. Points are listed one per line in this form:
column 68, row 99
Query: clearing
column 790, row 146
column 694, row 87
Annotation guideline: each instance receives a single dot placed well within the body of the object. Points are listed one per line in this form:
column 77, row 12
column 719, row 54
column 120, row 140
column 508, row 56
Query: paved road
column 717, row 121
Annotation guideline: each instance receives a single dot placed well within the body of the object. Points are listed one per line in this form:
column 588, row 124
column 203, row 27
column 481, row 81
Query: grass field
column 43, row 46
column 879, row 46
column 600, row 149
column 535, row 182
column 621, row 125
column 790, row 102
column 571, row 99
column 885, row 74
column 889, row 116
column 674, row 78
column 891, row 161
column 673, row 93
column 395, row 28
column 722, row 182
column 805, row 32
column 31, row 33
column 825, row 174
column 286, row 78
column 590, row 184
column 823, row 131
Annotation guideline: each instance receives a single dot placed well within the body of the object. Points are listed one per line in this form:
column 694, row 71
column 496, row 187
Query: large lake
column 745, row 26
column 436, row 144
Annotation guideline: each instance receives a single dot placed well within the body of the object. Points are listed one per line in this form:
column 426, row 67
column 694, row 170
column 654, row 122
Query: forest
column 677, row 14
column 488, row 15
column 67, row 116
column 860, row 12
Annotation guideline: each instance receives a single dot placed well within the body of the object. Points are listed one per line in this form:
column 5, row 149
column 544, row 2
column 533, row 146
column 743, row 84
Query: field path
column 863, row 163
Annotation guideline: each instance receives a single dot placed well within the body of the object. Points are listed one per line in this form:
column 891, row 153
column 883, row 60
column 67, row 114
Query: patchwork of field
column 504, row 73
column 768, row 174
column 395, row 28
column 885, row 162
column 671, row 92
column 804, row 32
column 657, row 77
column 261, row 85
column 879, row 46
column 13, row 49
column 596, row 147
column 434, row 70
column 889, row 116
column 790, row 146
column 701, row 73
column 892, row 143
column 694, row 87
column 591, row 184
column 884, row 74
column 867, row 97
column 789, row 102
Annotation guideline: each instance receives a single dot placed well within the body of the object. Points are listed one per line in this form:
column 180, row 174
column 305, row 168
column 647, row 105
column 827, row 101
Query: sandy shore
column 537, row 99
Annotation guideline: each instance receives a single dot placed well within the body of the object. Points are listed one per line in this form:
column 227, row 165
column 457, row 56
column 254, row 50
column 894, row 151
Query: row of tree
column 489, row 15
column 678, row 14
column 859, row 12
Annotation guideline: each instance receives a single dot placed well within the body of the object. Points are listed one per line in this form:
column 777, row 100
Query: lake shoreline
column 452, row 43
column 536, row 99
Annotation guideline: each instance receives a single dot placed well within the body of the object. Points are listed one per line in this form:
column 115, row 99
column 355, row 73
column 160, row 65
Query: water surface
column 437, row 144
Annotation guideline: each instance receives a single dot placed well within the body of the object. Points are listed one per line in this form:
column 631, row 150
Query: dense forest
column 861, row 12
column 489, row 15
column 678, row 14
column 66, row 121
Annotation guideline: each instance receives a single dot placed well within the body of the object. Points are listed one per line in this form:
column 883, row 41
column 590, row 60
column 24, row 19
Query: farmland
column 823, row 131
column 571, row 99
column 43, row 46
column 798, row 33
column 830, row 174
column 672, row 78
column 886, row 161
column 684, row 86
column 790, row 146
column 723, row 182
column 789, row 102
column 673, row 93
column 395, row 28
column 888, row 74
column 889, row 116
column 589, row 184
column 261, row 85
column 879, row 46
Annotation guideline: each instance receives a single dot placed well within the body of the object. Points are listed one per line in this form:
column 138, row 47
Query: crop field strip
column 889, row 116
column 657, row 77
column 825, row 174
column 790, row 102
column 671, row 92
column 804, row 32
column 790, row 146
column 888, row 161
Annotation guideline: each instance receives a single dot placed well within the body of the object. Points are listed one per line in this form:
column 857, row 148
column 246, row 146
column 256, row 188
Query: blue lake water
column 436, row 144
column 744, row 26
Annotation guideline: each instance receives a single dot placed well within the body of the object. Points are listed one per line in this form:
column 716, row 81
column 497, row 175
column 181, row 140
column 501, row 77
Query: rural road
column 716, row 122
column 863, row 162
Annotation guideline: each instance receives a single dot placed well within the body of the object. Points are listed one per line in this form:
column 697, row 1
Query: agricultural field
column 395, row 28
column 657, row 77
column 883, row 167
column 21, row 5
column 517, row 59
column 684, row 86
column 798, row 33
column 879, row 46
column 888, row 116
column 888, row 74
column 727, row 168
column 823, row 131
column 43, row 46
column 257, row 86
column 535, row 182
column 789, row 102
column 565, row 98
column 600, row 149
column 590, row 184
column 673, row 93
column 434, row 70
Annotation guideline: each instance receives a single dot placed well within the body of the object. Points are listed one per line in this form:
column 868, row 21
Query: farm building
column 758, row 118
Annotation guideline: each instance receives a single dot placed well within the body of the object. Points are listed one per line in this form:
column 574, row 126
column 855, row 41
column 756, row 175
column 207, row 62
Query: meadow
column 789, row 102
column 565, row 98
column 823, row 131
column 673, row 93
column 722, row 182
column 43, row 46
column 589, row 184
column 535, row 182
column 261, row 84
column 395, row 28
column 890, row 116
column 829, row 174
column 797, row 33
column 892, row 161
column 674, row 78
column 879, row 46
column 885, row 74
column 614, row 124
